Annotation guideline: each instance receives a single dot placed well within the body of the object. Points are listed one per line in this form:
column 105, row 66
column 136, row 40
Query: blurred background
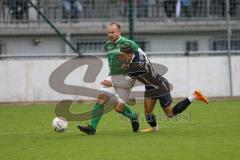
column 197, row 40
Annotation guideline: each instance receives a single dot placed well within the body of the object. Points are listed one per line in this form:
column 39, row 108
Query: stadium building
column 191, row 39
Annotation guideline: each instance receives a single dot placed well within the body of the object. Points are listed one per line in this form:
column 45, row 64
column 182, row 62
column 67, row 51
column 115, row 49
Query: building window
column 2, row 48
column 191, row 46
column 222, row 44
column 235, row 44
column 90, row 47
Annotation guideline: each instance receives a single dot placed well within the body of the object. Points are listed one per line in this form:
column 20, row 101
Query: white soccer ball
column 59, row 124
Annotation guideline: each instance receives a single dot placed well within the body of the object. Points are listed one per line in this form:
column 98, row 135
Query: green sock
column 127, row 112
column 96, row 115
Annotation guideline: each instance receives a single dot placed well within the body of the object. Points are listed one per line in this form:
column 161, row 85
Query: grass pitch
column 202, row 132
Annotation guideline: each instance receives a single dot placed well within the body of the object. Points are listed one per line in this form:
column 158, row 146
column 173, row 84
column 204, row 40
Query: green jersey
column 113, row 50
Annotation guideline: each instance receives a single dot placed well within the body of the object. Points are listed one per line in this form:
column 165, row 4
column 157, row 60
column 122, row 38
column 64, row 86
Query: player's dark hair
column 126, row 47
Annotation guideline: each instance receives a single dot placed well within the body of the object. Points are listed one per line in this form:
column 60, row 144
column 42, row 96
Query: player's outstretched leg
column 96, row 116
column 182, row 105
column 199, row 96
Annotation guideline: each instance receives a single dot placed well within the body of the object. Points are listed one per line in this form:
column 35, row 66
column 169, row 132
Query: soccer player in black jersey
column 156, row 86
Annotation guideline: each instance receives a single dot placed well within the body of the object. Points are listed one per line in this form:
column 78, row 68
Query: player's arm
column 139, row 50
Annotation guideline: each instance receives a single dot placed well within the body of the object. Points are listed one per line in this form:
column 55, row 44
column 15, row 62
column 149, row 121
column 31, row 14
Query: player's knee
column 119, row 107
column 169, row 112
column 102, row 98
column 170, row 115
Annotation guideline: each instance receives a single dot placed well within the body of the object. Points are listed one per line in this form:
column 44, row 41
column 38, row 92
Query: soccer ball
column 59, row 124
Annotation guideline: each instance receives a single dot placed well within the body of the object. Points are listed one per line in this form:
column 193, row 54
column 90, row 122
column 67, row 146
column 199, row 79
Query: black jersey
column 141, row 69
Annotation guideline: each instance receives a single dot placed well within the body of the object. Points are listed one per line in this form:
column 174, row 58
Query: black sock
column 151, row 119
column 181, row 106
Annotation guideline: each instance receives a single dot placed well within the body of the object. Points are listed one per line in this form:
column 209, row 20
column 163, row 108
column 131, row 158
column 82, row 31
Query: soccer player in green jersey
column 121, row 83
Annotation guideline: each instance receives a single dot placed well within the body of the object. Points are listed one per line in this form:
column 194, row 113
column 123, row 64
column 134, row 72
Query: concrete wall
column 54, row 45
column 28, row 80
column 25, row 45
column 173, row 43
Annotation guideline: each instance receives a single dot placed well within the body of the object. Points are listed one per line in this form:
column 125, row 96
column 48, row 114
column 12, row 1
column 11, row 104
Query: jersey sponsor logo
column 110, row 47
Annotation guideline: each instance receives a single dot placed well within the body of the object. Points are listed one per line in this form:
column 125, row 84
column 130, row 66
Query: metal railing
column 158, row 10
column 150, row 54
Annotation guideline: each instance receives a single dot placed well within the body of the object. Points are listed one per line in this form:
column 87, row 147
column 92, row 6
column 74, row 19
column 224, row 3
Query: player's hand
column 106, row 83
column 125, row 66
column 124, row 57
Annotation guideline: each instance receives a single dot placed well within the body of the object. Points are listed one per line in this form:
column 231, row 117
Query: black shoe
column 87, row 129
column 135, row 124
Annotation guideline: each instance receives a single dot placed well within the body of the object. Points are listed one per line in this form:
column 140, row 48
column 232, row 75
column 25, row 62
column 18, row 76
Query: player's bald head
column 114, row 24
column 113, row 31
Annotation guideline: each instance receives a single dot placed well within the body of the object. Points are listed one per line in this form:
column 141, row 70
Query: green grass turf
column 202, row 132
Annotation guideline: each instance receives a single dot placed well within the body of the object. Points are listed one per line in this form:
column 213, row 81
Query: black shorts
column 164, row 100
